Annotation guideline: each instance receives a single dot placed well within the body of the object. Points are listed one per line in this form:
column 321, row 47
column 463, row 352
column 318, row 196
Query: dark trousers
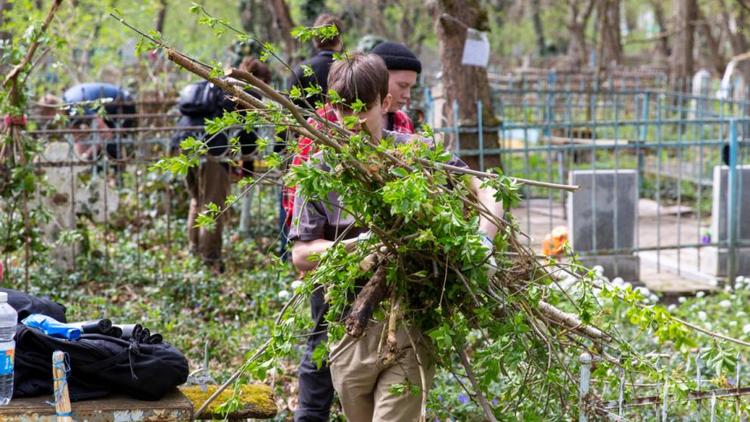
column 315, row 385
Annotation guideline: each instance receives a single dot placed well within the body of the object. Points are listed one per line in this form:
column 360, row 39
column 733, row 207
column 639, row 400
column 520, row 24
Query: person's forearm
column 486, row 197
column 304, row 251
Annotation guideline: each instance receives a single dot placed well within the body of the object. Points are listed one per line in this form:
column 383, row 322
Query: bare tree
column 682, row 60
column 465, row 84
column 579, row 13
column 161, row 15
column 608, row 28
column 536, row 19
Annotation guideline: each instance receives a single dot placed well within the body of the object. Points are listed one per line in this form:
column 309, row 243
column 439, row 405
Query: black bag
column 26, row 304
column 201, row 99
column 99, row 365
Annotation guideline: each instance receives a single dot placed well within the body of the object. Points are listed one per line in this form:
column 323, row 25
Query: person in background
column 320, row 63
column 84, row 102
column 403, row 69
column 210, row 181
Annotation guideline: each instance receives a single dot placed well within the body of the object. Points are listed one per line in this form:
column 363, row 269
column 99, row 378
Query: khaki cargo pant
column 209, row 183
column 363, row 383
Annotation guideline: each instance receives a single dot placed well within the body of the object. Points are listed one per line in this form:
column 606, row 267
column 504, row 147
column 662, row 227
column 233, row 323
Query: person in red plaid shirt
column 403, row 69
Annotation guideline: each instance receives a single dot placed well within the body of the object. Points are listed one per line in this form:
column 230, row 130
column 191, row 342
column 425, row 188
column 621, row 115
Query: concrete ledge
column 717, row 261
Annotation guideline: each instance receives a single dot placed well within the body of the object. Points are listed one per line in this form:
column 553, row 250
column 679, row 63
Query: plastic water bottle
column 8, row 321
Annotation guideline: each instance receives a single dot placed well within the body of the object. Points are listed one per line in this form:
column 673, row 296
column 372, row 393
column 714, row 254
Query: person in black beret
column 403, row 69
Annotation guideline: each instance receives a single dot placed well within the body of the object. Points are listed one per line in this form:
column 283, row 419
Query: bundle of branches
column 425, row 265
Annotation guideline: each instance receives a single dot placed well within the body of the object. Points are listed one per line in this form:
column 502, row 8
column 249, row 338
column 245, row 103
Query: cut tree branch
column 368, row 298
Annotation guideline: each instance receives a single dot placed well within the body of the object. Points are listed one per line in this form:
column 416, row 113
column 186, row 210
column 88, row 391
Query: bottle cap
column 3, row 297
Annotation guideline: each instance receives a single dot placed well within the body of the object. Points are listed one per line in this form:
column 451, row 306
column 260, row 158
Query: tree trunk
column 577, row 22
column 374, row 12
column 737, row 20
column 663, row 44
column 536, row 18
column 161, row 15
column 411, row 28
column 285, row 24
column 465, row 84
column 269, row 21
column 682, row 63
column 712, row 45
column 610, row 41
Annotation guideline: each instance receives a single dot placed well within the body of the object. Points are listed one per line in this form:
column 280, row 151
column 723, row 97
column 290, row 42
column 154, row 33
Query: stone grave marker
column 69, row 196
column 718, row 257
column 602, row 216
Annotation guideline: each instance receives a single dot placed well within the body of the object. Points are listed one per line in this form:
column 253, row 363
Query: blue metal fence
column 672, row 140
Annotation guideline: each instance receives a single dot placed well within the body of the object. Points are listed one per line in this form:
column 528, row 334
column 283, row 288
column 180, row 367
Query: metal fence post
column 480, row 129
column 455, row 128
column 245, row 213
column 732, row 214
column 583, row 388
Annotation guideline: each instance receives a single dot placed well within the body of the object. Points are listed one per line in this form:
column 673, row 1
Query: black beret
column 397, row 56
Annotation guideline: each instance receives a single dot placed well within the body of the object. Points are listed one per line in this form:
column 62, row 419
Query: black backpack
column 26, row 304
column 201, row 99
column 99, row 365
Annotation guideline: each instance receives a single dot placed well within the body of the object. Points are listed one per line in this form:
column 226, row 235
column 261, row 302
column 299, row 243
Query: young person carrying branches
column 403, row 68
column 364, row 381
column 315, row 387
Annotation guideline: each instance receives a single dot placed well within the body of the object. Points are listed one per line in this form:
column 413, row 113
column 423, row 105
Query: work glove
column 489, row 262
column 364, row 236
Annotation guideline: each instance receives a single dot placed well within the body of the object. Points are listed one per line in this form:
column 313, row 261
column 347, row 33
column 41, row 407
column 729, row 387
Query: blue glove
column 52, row 327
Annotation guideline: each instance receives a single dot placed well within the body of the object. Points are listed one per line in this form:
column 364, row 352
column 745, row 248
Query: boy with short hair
column 403, row 68
column 364, row 385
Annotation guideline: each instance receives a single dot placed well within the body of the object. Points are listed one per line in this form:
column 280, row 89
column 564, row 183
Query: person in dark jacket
column 210, row 182
column 320, row 62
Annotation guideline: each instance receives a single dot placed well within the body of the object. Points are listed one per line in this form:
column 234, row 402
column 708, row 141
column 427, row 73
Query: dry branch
column 368, row 298
column 13, row 74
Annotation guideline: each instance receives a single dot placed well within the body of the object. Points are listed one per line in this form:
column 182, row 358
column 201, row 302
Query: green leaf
column 358, row 106
column 295, row 92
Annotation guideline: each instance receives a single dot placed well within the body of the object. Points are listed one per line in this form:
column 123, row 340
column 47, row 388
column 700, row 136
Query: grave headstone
column 602, row 216
column 701, row 87
column 70, row 196
column 718, row 261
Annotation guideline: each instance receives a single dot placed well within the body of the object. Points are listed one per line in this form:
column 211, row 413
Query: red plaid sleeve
column 402, row 123
column 305, row 149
